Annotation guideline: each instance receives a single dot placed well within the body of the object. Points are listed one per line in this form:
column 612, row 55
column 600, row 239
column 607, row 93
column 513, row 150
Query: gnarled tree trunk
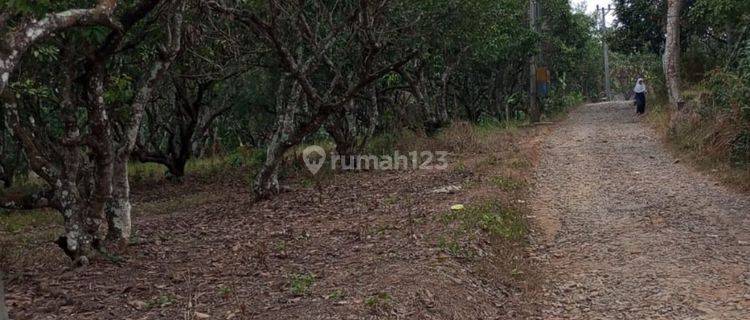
column 288, row 107
column 87, row 168
column 352, row 133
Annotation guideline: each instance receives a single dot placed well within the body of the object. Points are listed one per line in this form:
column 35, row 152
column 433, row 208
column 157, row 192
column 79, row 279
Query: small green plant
column 302, row 236
column 161, row 301
column 225, row 292
column 507, row 184
column 379, row 302
column 382, row 144
column 453, row 248
column 490, row 160
column 516, row 272
column 391, row 200
column 336, row 295
column 177, row 204
column 145, row 172
column 461, row 168
column 517, row 163
column 488, row 123
column 307, row 182
column 377, row 230
column 300, row 283
column 246, row 157
column 280, row 246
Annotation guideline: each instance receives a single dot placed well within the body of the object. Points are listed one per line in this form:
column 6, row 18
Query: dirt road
column 628, row 232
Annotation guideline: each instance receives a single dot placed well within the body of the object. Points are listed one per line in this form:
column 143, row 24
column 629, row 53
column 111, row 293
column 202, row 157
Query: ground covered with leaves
column 349, row 245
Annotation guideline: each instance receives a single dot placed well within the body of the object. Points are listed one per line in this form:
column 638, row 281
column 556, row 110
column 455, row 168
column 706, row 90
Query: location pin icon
column 314, row 157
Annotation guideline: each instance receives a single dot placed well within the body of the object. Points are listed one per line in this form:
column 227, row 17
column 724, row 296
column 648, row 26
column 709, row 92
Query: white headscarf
column 639, row 86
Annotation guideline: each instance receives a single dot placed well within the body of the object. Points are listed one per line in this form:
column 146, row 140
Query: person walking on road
column 640, row 96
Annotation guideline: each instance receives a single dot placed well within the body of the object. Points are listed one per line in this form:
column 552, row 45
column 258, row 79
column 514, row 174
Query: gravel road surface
column 626, row 231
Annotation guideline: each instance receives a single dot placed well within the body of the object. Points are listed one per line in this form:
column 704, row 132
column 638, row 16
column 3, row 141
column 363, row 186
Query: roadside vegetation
column 712, row 129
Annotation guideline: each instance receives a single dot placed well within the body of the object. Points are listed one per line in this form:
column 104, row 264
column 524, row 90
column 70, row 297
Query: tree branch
column 16, row 43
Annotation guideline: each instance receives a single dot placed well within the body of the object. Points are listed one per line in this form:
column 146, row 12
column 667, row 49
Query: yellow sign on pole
column 542, row 81
column 542, row 75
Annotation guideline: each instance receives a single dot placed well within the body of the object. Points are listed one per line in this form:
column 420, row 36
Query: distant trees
column 196, row 91
column 639, row 26
column 11, row 155
column 329, row 54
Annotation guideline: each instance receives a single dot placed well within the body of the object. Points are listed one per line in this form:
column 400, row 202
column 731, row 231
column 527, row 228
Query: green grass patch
column 244, row 157
column 454, row 248
column 507, row 184
column 18, row 221
column 517, row 163
column 491, row 218
column 139, row 172
column 172, row 205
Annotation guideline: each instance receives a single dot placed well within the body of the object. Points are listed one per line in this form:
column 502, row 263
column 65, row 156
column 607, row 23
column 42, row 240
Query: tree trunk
column 3, row 309
column 88, row 172
column 177, row 167
column 183, row 151
column 266, row 182
column 343, row 129
column 350, row 134
column 671, row 58
column 289, row 132
column 373, row 113
column 82, row 225
column 119, row 209
column 442, row 111
column 6, row 176
column 417, row 88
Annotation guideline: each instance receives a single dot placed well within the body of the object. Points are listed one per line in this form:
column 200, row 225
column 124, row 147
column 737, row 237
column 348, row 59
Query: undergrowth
column 714, row 138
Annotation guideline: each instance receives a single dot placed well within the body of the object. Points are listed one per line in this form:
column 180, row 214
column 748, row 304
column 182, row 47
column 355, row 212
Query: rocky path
column 628, row 232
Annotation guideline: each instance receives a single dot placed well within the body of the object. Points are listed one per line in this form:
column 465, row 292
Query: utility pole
column 603, row 28
column 534, row 110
